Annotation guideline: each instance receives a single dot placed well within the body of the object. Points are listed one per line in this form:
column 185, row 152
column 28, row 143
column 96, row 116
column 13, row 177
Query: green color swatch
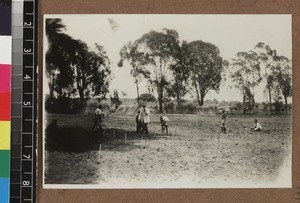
column 4, row 163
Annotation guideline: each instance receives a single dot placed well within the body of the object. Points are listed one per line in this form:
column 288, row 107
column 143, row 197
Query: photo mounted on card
column 167, row 101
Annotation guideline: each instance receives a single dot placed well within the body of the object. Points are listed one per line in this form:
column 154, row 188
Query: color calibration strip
column 23, row 126
column 5, row 97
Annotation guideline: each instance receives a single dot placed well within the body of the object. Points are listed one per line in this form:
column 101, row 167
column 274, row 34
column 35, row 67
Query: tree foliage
column 92, row 70
column 158, row 52
column 160, row 49
column 262, row 65
column 136, row 60
column 205, row 64
column 58, row 57
column 73, row 69
column 279, row 82
column 276, row 74
column 245, row 73
column 172, row 68
column 115, row 99
column 178, row 85
column 147, row 97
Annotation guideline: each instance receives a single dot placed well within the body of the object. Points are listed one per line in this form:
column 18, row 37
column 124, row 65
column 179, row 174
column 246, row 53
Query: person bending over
column 164, row 120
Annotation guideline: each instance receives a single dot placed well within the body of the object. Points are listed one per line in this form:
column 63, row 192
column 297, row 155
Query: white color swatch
column 5, row 49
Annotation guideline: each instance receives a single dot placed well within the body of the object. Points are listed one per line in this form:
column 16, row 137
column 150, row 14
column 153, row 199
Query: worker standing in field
column 98, row 117
column 223, row 121
column 138, row 122
column 145, row 118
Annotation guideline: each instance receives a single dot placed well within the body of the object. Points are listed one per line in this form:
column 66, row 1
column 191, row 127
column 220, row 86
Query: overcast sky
column 230, row 33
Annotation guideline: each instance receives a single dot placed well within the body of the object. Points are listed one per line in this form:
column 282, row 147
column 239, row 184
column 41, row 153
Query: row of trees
column 262, row 65
column 171, row 67
column 72, row 67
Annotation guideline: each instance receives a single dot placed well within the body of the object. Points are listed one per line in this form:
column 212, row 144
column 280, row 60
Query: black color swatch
column 5, row 20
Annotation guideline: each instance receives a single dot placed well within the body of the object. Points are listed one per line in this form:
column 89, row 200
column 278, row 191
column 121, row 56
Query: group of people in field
column 142, row 120
column 256, row 126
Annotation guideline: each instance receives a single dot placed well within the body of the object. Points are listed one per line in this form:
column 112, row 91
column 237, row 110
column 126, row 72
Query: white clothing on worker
column 257, row 126
column 145, row 115
column 98, row 112
column 165, row 118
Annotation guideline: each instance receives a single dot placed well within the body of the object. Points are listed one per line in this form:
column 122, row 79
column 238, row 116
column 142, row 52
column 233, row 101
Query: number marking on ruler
column 24, row 191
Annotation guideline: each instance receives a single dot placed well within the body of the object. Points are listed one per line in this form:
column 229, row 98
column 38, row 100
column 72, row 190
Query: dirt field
column 194, row 154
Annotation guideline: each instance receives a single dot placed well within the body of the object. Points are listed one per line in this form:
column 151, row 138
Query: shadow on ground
column 78, row 139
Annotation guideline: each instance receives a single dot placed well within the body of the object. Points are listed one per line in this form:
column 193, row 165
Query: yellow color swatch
column 4, row 135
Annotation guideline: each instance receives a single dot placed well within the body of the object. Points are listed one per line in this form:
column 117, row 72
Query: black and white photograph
column 167, row 101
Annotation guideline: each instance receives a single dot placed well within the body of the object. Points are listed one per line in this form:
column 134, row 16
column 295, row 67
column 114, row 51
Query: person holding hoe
column 138, row 122
column 98, row 118
column 144, row 118
column 164, row 120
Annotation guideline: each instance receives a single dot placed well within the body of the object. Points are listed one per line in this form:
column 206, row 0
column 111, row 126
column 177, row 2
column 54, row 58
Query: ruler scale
column 5, row 98
column 17, row 34
column 23, row 168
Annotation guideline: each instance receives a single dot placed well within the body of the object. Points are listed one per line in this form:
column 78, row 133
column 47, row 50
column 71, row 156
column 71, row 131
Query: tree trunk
column 138, row 93
column 160, row 105
column 80, row 90
column 52, row 91
column 201, row 101
column 81, row 75
column 178, row 98
column 161, row 99
column 60, row 91
column 254, row 106
column 202, row 94
column 285, row 102
column 51, row 86
column 244, row 103
column 198, row 96
column 81, row 95
column 253, row 101
column 270, row 99
column 160, row 96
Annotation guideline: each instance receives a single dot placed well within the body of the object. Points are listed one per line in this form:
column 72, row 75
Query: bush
column 187, row 108
column 278, row 107
column 63, row 105
column 146, row 97
column 50, row 105
column 170, row 108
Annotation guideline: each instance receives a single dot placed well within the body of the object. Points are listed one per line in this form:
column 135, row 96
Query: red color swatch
column 5, row 106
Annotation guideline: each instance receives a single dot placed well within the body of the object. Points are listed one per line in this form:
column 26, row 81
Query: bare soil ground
column 194, row 154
